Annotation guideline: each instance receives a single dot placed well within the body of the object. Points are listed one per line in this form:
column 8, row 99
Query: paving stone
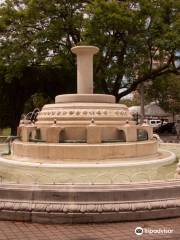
column 107, row 231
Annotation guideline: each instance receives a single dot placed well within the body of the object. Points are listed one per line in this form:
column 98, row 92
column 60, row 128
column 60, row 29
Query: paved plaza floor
column 108, row 231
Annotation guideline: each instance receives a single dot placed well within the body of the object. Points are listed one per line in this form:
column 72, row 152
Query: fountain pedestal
column 85, row 68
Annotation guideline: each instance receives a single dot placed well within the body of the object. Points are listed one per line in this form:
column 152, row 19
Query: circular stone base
column 89, row 98
column 161, row 158
column 24, row 170
column 79, row 152
column 88, row 204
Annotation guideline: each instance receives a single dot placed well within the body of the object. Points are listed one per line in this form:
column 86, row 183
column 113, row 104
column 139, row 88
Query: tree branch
column 149, row 76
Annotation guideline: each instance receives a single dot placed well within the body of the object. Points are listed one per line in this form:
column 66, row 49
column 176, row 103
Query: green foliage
column 50, row 81
column 6, row 132
column 37, row 100
column 130, row 102
column 166, row 90
column 131, row 37
column 37, row 35
column 35, row 42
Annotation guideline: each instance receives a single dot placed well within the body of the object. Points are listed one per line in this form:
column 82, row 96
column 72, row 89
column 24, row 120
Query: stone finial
column 85, row 68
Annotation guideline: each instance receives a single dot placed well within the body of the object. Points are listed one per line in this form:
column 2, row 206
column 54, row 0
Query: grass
column 5, row 132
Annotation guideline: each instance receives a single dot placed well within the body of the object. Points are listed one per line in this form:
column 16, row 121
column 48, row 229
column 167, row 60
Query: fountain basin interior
column 141, row 169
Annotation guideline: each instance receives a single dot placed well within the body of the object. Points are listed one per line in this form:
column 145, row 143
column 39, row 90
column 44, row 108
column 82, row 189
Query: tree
column 38, row 32
column 166, row 90
column 138, row 41
column 37, row 35
column 35, row 53
column 17, row 94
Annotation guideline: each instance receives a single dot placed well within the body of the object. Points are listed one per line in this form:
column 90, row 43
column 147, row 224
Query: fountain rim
column 161, row 162
column 85, row 49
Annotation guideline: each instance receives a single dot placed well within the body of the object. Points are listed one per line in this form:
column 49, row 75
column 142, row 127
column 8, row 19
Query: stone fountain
column 86, row 131
column 86, row 127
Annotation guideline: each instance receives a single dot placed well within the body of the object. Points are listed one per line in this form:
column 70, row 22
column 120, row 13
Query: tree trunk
column 13, row 130
column 142, row 103
column 14, row 125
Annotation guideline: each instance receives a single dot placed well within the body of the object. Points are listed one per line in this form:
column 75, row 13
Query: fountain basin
column 158, row 166
column 57, row 193
column 52, row 152
column 84, row 204
column 161, row 158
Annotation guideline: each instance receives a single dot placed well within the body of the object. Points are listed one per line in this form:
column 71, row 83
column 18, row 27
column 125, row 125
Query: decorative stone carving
column 84, row 113
column 83, row 208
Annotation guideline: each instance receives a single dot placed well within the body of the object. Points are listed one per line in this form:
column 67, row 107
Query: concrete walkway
column 111, row 231
column 169, row 138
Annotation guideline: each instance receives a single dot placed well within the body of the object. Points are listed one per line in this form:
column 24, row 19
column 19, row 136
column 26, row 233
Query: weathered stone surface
column 65, row 204
column 89, row 151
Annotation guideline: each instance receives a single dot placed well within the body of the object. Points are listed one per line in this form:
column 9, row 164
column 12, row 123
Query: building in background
column 154, row 115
